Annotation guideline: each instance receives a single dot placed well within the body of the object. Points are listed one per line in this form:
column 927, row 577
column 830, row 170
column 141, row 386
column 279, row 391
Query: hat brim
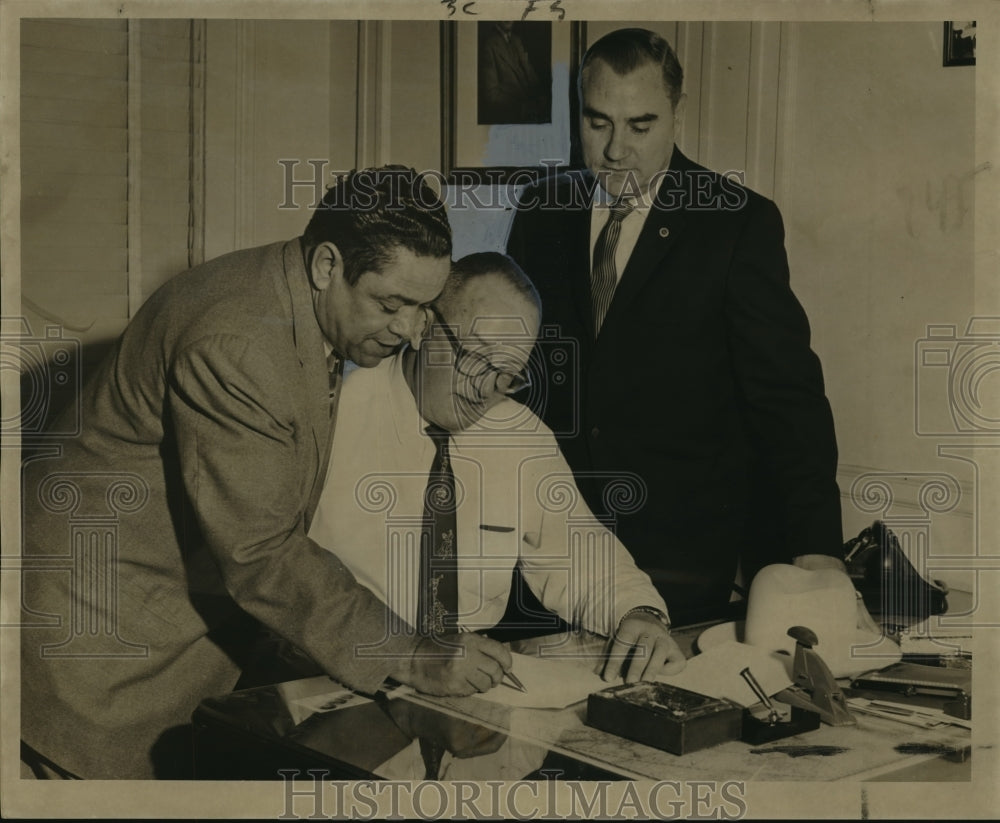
column 870, row 651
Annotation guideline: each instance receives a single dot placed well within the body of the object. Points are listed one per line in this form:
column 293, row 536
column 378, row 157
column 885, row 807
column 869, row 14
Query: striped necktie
column 437, row 597
column 604, row 277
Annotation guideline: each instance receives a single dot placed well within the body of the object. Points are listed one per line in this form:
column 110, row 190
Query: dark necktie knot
column 437, row 434
column 621, row 209
column 442, row 459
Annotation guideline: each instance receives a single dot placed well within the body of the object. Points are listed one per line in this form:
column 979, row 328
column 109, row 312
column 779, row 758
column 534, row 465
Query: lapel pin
column 664, row 232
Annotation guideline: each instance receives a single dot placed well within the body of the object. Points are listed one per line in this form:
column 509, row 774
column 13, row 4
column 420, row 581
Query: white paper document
column 550, row 683
column 554, row 684
column 716, row 672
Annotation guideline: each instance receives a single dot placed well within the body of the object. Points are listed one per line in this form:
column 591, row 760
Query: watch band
column 651, row 610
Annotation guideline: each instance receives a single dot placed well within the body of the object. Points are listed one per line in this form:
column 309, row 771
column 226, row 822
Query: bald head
column 494, row 273
column 476, row 351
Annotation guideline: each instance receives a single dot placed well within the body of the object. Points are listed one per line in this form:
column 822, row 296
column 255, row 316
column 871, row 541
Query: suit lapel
column 578, row 226
column 312, row 359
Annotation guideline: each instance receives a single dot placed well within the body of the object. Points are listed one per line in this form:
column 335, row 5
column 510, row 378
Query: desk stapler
column 814, row 687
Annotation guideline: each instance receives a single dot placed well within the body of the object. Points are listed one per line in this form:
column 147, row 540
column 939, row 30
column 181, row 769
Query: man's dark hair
column 488, row 263
column 369, row 213
column 625, row 50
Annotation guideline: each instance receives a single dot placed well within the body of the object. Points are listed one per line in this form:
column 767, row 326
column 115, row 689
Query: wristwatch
column 657, row 613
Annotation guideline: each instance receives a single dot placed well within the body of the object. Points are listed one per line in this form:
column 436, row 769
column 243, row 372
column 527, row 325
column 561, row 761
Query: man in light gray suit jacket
column 179, row 514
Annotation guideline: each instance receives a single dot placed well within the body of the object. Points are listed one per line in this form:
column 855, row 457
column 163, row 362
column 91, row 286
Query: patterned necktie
column 437, row 604
column 604, row 276
column 432, row 752
column 335, row 366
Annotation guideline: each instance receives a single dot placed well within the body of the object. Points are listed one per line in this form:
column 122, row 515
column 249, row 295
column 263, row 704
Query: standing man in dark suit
column 182, row 507
column 695, row 372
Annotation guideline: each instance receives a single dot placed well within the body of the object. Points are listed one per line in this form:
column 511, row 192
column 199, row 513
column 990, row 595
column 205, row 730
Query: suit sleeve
column 528, row 230
column 243, row 447
column 782, row 381
column 574, row 565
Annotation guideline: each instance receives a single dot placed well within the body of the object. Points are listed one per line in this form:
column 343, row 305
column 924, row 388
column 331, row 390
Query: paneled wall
column 108, row 140
column 110, row 184
column 876, row 184
column 75, row 173
column 343, row 94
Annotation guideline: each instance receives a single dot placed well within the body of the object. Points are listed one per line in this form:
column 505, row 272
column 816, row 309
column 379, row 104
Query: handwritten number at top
column 466, row 7
column 555, row 7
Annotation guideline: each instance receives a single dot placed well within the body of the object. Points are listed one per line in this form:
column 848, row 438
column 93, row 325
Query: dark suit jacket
column 180, row 508
column 702, row 383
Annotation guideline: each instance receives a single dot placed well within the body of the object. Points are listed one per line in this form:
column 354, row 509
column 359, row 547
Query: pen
column 755, row 687
column 514, row 682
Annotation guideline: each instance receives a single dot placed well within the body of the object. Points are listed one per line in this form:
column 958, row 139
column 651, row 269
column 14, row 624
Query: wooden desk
column 253, row 733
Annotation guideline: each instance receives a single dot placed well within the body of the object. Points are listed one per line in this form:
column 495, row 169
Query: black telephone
column 887, row 580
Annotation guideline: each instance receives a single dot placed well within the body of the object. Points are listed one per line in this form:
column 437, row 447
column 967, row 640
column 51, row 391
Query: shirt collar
column 602, row 200
column 408, row 422
column 403, row 406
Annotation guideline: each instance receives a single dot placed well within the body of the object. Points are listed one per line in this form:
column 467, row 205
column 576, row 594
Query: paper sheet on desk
column 716, row 672
column 550, row 684
column 555, row 684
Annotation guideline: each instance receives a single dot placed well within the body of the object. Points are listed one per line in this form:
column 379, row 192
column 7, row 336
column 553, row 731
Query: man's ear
column 679, row 109
column 327, row 263
column 420, row 327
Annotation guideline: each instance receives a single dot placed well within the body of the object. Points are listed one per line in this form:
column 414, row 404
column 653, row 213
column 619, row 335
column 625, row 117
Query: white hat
column 782, row 596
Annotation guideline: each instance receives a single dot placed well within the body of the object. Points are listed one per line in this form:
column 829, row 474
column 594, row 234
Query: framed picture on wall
column 513, row 72
column 507, row 101
column 960, row 43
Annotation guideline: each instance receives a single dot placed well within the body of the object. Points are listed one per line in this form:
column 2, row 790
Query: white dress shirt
column 516, row 498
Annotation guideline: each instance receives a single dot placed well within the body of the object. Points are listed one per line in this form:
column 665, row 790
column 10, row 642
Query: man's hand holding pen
column 456, row 664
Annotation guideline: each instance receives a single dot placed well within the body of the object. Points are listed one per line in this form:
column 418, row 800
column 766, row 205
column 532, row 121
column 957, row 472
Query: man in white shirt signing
column 449, row 404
